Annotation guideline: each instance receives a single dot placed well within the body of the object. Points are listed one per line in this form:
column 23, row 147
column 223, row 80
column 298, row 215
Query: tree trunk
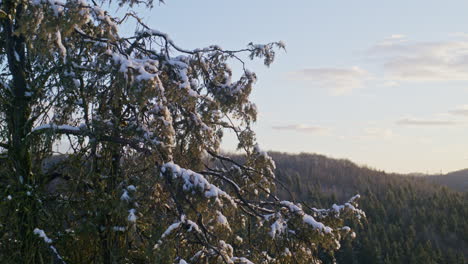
column 18, row 114
column 19, row 109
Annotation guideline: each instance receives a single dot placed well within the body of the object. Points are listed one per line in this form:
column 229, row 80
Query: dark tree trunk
column 18, row 115
column 19, row 109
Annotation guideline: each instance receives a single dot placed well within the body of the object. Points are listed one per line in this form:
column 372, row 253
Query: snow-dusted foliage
column 143, row 179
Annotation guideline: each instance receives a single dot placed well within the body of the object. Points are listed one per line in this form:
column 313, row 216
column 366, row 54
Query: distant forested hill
column 409, row 219
column 457, row 180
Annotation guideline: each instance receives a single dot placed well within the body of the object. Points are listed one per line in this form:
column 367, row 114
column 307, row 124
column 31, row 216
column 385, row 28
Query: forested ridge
column 409, row 219
column 457, row 180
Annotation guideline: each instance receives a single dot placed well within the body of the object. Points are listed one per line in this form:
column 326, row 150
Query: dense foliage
column 142, row 179
column 409, row 220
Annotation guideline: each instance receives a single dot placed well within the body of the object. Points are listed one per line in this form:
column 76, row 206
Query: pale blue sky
column 383, row 83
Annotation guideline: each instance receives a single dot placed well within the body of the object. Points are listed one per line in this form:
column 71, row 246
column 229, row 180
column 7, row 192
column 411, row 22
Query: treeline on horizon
column 409, row 219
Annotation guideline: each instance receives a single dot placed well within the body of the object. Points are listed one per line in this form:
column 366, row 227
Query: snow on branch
column 308, row 219
column 192, row 226
column 279, row 226
column 42, row 235
column 256, row 50
column 146, row 68
column 349, row 205
column 48, row 241
column 241, row 260
column 193, row 180
column 337, row 209
column 58, row 128
column 56, row 6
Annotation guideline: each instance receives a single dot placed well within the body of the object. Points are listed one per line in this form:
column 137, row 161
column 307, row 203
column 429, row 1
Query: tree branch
column 70, row 130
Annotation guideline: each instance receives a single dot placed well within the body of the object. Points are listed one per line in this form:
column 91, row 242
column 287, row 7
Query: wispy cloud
column 423, row 61
column 393, row 39
column 439, row 119
column 461, row 110
column 390, row 84
column 459, row 34
column 425, row 122
column 381, row 133
column 397, row 36
column 339, row 80
column 302, row 128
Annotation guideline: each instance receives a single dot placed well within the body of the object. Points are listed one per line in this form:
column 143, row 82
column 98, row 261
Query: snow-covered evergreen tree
column 143, row 180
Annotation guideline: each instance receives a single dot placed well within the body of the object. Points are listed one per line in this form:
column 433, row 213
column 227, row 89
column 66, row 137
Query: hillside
column 457, row 180
column 409, row 219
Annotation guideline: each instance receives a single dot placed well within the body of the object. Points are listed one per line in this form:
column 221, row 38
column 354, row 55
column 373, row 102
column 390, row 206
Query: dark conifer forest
column 409, row 219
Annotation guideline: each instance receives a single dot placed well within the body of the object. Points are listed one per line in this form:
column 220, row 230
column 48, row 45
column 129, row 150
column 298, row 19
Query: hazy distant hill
column 410, row 219
column 457, row 180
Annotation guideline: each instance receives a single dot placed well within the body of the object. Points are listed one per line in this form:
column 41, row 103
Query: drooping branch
column 79, row 131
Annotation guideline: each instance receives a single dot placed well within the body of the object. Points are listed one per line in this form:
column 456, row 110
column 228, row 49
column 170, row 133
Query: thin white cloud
column 423, row 61
column 393, row 39
column 381, row 133
column 425, row 122
column 397, row 36
column 339, row 80
column 461, row 110
column 391, row 84
column 302, row 128
column 438, row 119
column 459, row 34
column 424, row 140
